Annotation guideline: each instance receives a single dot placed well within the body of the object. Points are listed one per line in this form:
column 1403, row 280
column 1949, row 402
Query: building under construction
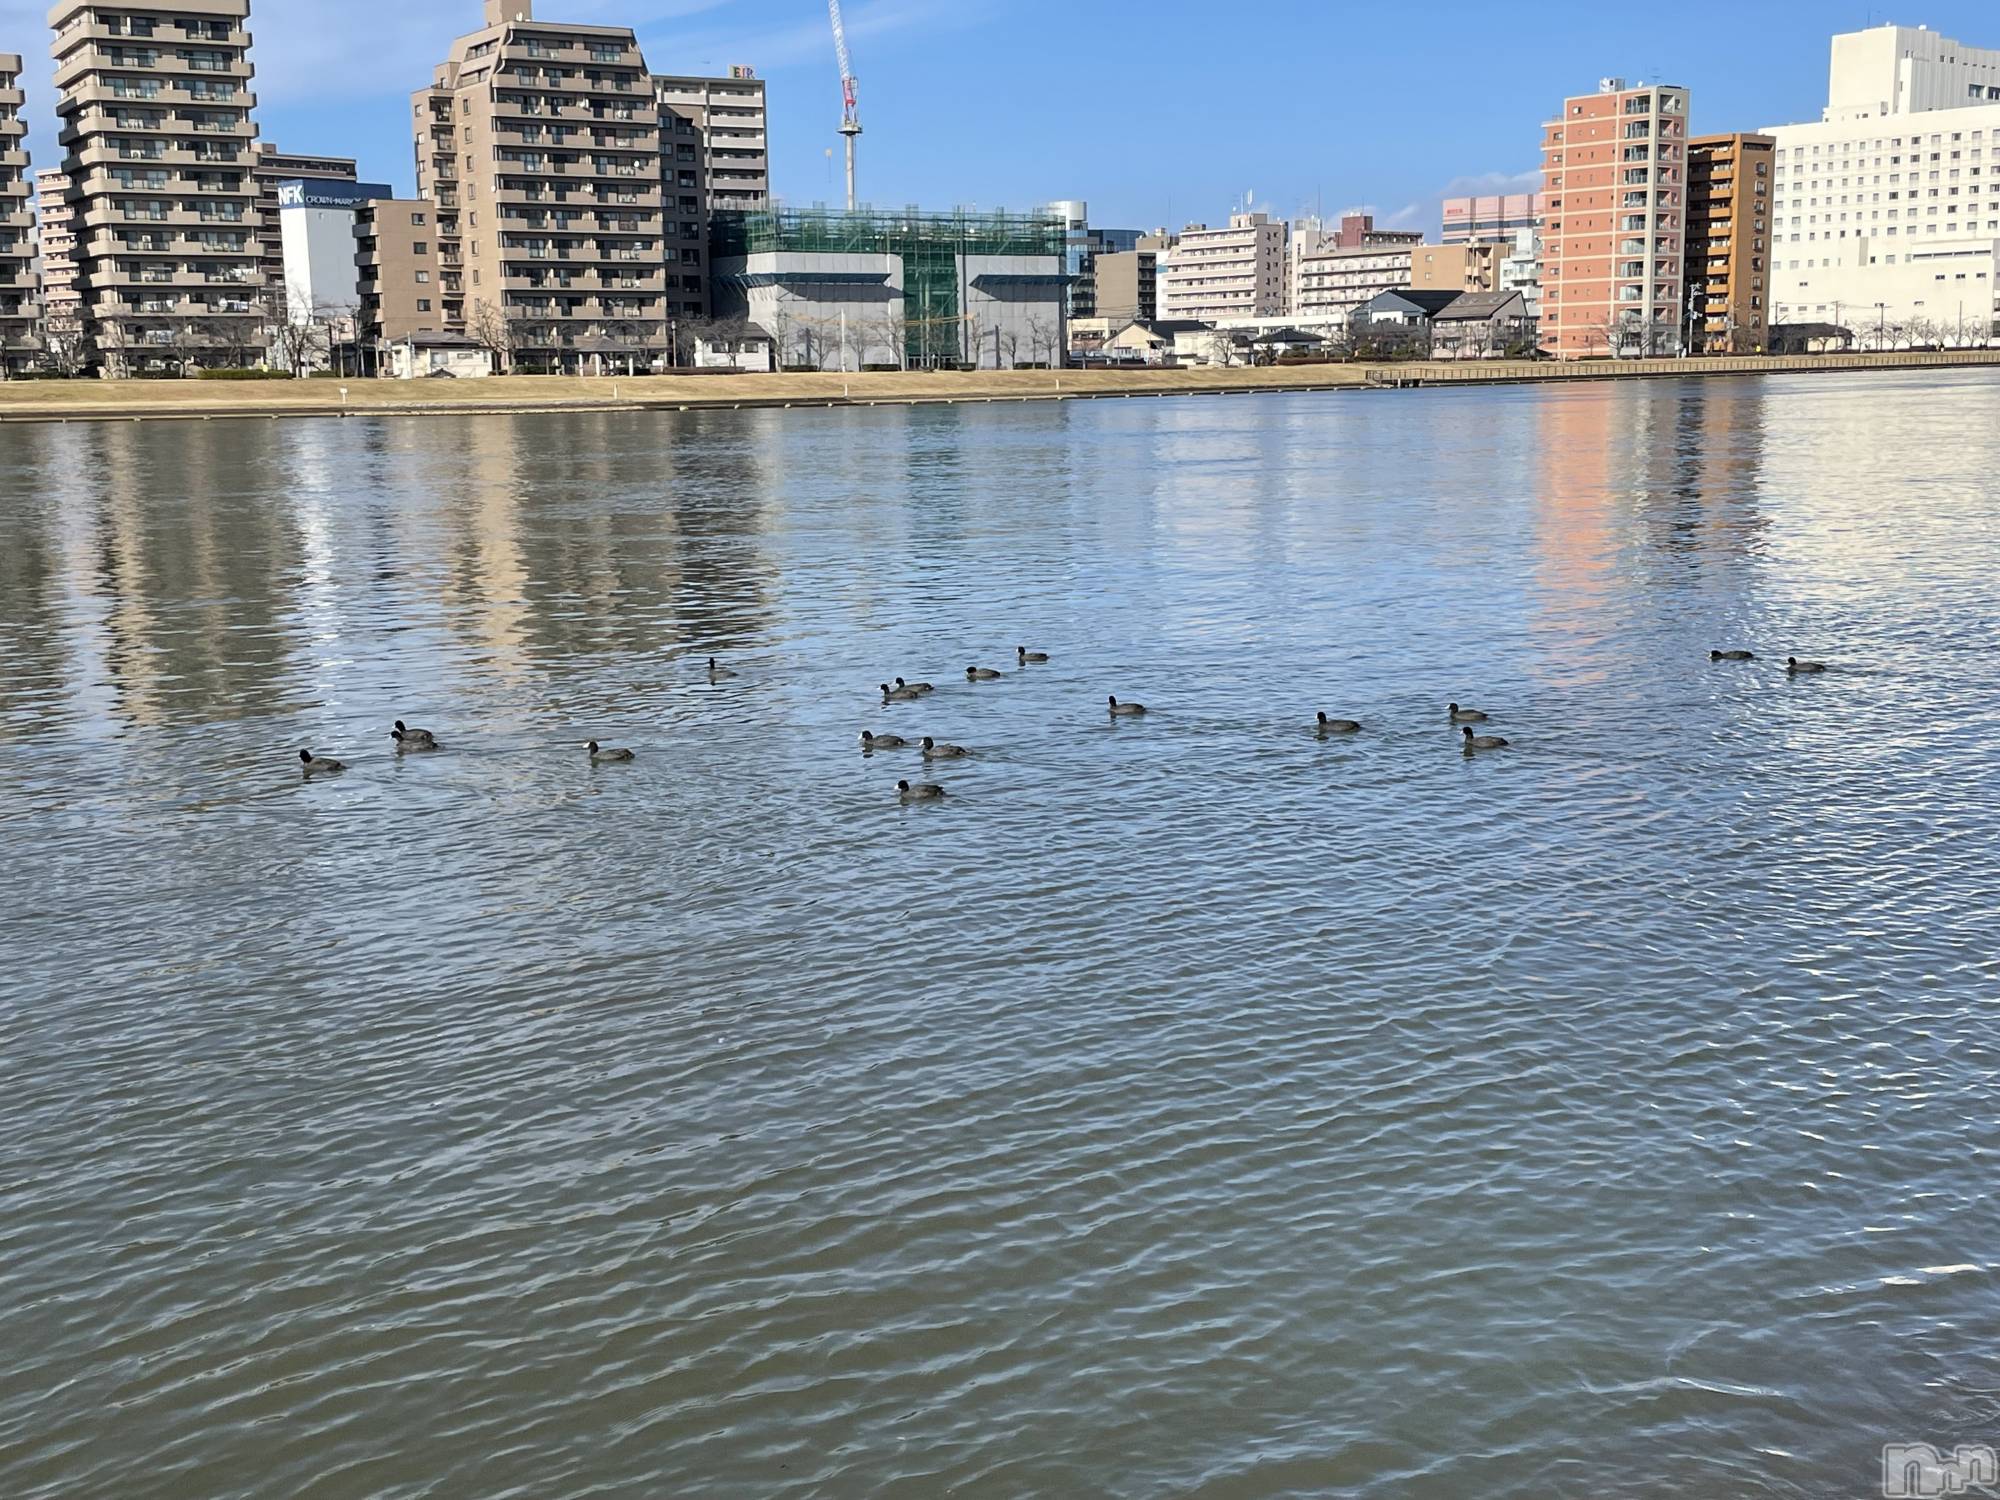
column 915, row 290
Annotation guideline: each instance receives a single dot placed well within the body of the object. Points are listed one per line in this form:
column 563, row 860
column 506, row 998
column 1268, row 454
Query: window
column 423, row 278
column 423, row 304
column 416, row 219
column 420, row 247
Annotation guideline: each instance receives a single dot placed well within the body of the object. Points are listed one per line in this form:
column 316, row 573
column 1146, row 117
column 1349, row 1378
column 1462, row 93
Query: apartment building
column 398, row 270
column 1728, row 216
column 271, row 167
column 17, row 239
column 1521, row 270
column 1885, row 212
column 1233, row 271
column 1614, row 192
column 1127, row 286
column 1458, row 268
column 539, row 143
column 1489, row 217
column 730, row 116
column 1358, row 232
column 685, row 220
column 1085, row 245
column 55, row 233
column 1334, row 282
column 154, row 114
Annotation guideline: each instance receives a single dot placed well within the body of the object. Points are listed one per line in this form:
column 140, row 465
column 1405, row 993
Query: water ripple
column 1185, row 1106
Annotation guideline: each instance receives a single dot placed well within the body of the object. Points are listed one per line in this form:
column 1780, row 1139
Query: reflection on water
column 1187, row 1106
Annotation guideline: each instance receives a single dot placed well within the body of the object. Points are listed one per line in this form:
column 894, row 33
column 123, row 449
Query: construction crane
column 850, row 113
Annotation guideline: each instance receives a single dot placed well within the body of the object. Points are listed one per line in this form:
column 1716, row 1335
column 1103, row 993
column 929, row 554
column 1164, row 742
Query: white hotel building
column 1886, row 212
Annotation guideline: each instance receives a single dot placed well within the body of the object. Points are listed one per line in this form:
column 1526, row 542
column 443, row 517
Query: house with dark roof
column 1287, row 341
column 1810, row 338
column 1406, row 307
column 1478, row 324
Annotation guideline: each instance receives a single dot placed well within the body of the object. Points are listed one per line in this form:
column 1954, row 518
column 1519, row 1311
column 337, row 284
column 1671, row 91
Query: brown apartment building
column 539, row 145
column 400, row 274
column 154, row 112
column 1614, row 200
column 1471, row 267
column 1729, row 201
column 1128, row 285
column 17, row 226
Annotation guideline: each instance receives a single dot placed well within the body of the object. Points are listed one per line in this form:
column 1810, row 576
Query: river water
column 1183, row 1106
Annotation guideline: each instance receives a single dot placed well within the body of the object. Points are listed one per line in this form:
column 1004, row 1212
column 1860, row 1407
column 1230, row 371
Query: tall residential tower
column 539, row 144
column 17, row 247
column 1728, row 252
column 1614, row 199
column 154, row 110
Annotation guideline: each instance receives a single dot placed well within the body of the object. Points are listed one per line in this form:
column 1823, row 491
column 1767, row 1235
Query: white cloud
column 1489, row 184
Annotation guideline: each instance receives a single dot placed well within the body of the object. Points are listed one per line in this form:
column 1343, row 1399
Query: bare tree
column 1010, row 345
column 63, row 343
column 853, row 340
column 240, row 338
column 493, row 330
column 892, row 326
column 688, row 332
column 781, row 328
column 1044, row 339
column 111, row 341
column 823, row 339
column 1606, row 331
column 186, row 340
column 297, row 336
column 339, row 323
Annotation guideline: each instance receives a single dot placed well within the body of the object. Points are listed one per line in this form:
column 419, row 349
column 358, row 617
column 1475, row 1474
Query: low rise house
column 1282, row 341
column 1479, row 324
column 1155, row 343
column 1810, row 338
column 1399, row 321
column 1208, row 344
column 418, row 356
column 1088, row 336
column 748, row 348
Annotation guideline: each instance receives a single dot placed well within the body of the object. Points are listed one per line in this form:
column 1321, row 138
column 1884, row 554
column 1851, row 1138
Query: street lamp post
column 1881, row 325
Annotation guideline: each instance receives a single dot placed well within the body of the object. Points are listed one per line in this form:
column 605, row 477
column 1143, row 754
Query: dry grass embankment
column 87, row 400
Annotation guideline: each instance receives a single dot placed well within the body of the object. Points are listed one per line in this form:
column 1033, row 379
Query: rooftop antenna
column 850, row 111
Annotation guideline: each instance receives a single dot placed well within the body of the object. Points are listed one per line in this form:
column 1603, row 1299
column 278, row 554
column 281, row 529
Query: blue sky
column 1146, row 108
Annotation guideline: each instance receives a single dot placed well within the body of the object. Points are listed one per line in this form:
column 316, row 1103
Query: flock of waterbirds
column 933, row 750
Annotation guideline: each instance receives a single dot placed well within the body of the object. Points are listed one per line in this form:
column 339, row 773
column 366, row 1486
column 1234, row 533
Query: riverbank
column 199, row 400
